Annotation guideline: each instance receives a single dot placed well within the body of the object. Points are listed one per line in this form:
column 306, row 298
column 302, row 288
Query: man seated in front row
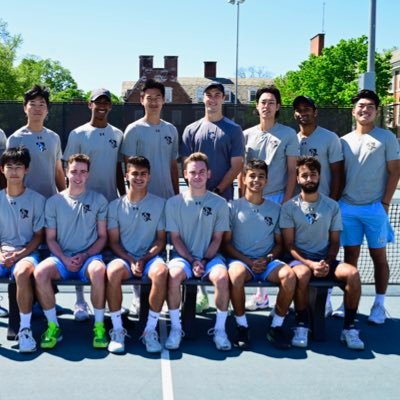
column 196, row 220
column 21, row 232
column 311, row 225
column 76, row 232
column 253, row 247
column 136, row 229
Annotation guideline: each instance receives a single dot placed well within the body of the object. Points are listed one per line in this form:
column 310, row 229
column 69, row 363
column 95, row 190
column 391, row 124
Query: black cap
column 304, row 99
column 215, row 85
column 96, row 93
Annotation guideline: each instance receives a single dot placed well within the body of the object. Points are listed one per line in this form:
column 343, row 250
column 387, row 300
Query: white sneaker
column 328, row 308
column 81, row 312
column 300, row 338
column 339, row 312
column 220, row 339
column 134, row 309
column 150, row 339
column 117, row 342
column 377, row 315
column 256, row 302
column 352, row 339
column 174, row 339
column 27, row 344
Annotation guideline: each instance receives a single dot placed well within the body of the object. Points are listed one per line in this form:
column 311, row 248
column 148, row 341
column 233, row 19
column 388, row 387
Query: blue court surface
column 326, row 370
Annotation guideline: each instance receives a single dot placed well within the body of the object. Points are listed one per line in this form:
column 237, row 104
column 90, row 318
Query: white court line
column 166, row 374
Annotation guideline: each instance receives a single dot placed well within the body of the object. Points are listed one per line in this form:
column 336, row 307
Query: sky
column 100, row 41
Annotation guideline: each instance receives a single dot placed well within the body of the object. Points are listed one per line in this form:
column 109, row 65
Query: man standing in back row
column 372, row 171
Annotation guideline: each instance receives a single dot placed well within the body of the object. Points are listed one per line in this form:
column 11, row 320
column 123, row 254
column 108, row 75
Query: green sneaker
column 100, row 340
column 202, row 303
column 51, row 337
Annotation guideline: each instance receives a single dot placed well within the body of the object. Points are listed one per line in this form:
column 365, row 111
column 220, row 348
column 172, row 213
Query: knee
column 353, row 277
column 159, row 274
column 97, row 272
column 221, row 281
column 23, row 272
column 237, row 278
column 303, row 277
column 287, row 278
column 42, row 273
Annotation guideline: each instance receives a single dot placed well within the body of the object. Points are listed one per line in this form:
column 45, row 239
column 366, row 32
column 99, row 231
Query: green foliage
column 332, row 78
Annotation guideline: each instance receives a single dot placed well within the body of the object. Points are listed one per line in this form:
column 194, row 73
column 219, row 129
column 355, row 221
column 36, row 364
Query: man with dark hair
column 136, row 230
column 21, row 232
column 311, row 225
column 196, row 221
column 372, row 171
column 3, row 142
column 221, row 139
column 253, row 246
column 278, row 146
column 76, row 233
column 45, row 174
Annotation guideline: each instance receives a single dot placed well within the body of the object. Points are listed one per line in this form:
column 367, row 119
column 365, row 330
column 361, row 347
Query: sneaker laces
column 83, row 307
column 118, row 334
column 151, row 334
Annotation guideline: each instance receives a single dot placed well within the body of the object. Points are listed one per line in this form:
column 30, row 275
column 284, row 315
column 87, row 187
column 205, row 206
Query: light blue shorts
column 179, row 262
column 272, row 265
column 146, row 270
column 276, row 197
column 79, row 275
column 370, row 220
column 33, row 258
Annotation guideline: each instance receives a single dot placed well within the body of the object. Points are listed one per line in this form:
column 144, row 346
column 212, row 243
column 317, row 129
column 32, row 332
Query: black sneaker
column 277, row 337
column 242, row 339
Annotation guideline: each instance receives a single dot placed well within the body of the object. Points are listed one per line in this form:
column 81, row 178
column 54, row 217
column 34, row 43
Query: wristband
column 385, row 204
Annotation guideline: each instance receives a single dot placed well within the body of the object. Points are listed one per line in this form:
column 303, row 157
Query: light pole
column 237, row 4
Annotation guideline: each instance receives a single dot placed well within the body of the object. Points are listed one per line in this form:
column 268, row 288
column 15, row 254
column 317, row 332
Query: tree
column 8, row 49
column 254, row 72
column 332, row 78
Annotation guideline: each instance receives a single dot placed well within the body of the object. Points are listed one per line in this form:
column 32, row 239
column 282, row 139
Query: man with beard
column 311, row 226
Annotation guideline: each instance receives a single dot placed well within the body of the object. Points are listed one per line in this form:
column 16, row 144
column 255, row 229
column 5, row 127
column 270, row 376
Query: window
column 228, row 96
column 199, row 95
column 168, row 94
column 252, row 95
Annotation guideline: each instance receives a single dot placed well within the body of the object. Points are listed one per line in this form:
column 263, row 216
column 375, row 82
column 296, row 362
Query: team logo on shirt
column 211, row 135
column 113, row 143
column 371, row 146
column 23, row 213
column 41, row 146
column 168, row 139
column 135, row 208
column 312, row 218
column 146, row 216
column 207, row 211
column 13, row 203
column 86, row 208
column 274, row 143
column 268, row 221
column 313, row 152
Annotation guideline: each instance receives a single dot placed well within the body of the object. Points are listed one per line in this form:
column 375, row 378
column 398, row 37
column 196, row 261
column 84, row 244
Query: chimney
column 317, row 44
column 171, row 65
column 145, row 63
column 210, row 69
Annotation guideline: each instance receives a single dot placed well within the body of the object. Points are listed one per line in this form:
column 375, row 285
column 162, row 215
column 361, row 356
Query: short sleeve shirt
column 324, row 145
column 365, row 162
column 273, row 147
column 220, row 141
column 20, row 217
column 102, row 146
column 312, row 223
column 160, row 145
column 138, row 223
column 254, row 226
column 196, row 219
column 45, row 150
column 75, row 219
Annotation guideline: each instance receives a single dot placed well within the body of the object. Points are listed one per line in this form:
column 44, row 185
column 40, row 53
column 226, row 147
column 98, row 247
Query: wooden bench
column 317, row 299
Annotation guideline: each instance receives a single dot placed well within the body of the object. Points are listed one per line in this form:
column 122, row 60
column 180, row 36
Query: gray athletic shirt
column 312, row 223
column 324, row 145
column 196, row 219
column 220, row 141
column 273, row 147
column 3, row 141
column 159, row 144
column 102, row 146
column 45, row 150
column 254, row 226
column 20, row 217
column 75, row 219
column 365, row 158
column 138, row 223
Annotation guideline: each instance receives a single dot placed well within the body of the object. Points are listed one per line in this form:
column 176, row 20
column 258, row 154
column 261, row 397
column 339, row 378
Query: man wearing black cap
column 101, row 142
column 372, row 171
column 222, row 141
column 320, row 143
